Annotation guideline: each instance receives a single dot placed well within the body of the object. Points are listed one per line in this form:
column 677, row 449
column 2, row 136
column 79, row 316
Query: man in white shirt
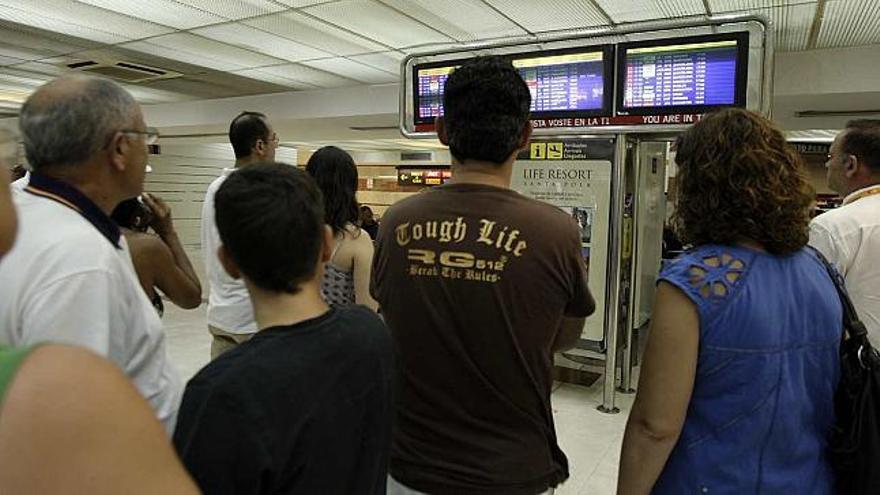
column 230, row 314
column 69, row 277
column 849, row 236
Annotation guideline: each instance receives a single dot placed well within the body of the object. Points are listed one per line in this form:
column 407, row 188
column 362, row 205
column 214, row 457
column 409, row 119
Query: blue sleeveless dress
column 762, row 406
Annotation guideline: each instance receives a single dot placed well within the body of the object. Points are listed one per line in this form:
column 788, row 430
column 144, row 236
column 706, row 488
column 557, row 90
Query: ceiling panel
column 387, row 61
column 303, row 74
column 352, row 70
column 300, row 3
column 262, row 75
column 118, row 53
column 719, row 6
column 378, row 22
column 32, row 44
column 24, row 80
column 792, row 20
column 80, row 20
column 850, row 23
column 38, row 68
column 312, row 32
column 551, row 15
column 650, row 9
column 214, row 85
column 262, row 42
column 463, row 20
column 235, row 9
column 147, row 95
column 166, row 12
column 791, row 25
column 433, row 47
column 4, row 60
column 196, row 50
column 41, row 22
column 21, row 53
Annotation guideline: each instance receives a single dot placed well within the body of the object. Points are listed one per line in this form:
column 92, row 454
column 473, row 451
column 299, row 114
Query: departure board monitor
column 573, row 82
column 682, row 75
column 428, row 89
column 563, row 83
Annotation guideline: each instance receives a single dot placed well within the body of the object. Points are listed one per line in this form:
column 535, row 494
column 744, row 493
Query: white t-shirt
column 849, row 237
column 229, row 305
column 22, row 182
column 65, row 282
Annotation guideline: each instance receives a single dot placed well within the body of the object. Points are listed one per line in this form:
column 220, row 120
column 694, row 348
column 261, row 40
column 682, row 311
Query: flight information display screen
column 683, row 75
column 564, row 82
column 572, row 83
column 429, row 92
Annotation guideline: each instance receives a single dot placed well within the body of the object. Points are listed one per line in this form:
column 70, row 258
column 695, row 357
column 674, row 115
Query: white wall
column 842, row 79
column 297, row 105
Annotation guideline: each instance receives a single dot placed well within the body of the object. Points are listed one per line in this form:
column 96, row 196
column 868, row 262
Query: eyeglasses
column 151, row 134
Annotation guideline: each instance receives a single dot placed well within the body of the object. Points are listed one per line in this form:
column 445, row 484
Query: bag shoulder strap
column 852, row 325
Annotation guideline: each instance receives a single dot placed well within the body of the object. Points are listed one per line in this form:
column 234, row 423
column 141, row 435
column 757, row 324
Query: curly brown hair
column 738, row 180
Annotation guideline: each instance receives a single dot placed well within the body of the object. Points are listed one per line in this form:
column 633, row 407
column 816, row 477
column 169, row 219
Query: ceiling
column 224, row 48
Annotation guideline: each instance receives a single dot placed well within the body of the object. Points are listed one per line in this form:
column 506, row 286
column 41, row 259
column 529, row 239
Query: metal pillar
column 612, row 278
column 626, row 367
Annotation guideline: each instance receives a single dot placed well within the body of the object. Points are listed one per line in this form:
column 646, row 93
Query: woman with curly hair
column 347, row 274
column 737, row 383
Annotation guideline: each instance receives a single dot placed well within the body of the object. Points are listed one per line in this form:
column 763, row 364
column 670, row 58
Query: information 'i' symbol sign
column 538, row 151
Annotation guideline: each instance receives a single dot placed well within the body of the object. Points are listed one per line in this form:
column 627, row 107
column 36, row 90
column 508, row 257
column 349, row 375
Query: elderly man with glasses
column 69, row 278
column 849, row 236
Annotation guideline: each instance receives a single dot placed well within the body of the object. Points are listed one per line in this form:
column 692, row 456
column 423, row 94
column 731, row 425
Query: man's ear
column 440, row 127
column 260, row 148
column 228, row 263
column 851, row 169
column 526, row 136
column 118, row 149
column 327, row 245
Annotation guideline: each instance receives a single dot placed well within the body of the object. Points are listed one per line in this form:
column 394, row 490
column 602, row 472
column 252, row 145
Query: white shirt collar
column 857, row 194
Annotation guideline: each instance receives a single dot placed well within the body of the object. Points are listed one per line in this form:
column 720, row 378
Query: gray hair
column 67, row 120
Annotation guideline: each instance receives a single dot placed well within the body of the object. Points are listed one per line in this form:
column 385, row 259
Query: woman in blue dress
column 737, row 383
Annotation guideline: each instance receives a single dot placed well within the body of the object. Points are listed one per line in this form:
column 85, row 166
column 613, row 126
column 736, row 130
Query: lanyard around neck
column 862, row 194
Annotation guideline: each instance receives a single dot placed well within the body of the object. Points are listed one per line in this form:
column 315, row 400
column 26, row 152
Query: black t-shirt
column 297, row 409
column 474, row 282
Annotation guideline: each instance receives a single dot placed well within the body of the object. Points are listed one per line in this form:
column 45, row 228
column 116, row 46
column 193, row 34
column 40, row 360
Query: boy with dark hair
column 480, row 286
column 305, row 405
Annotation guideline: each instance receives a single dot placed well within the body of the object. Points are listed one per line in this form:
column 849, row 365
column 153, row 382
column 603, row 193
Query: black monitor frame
column 741, row 76
column 607, row 91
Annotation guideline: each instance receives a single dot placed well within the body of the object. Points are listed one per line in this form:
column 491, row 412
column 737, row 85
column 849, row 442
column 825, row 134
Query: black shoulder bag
column 855, row 440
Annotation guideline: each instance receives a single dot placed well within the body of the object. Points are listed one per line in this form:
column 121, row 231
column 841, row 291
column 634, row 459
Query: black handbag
column 854, row 448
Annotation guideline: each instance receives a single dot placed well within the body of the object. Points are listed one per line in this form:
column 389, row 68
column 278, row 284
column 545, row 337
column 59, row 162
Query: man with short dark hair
column 849, row 236
column 305, row 405
column 230, row 316
column 479, row 285
column 69, row 278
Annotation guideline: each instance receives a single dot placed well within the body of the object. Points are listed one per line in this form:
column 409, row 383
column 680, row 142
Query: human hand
column 161, row 221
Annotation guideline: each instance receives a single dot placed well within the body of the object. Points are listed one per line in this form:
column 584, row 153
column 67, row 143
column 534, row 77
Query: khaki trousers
column 397, row 488
column 224, row 341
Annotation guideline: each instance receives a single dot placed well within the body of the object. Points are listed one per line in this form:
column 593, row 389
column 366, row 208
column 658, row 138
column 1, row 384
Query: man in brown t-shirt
column 479, row 286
